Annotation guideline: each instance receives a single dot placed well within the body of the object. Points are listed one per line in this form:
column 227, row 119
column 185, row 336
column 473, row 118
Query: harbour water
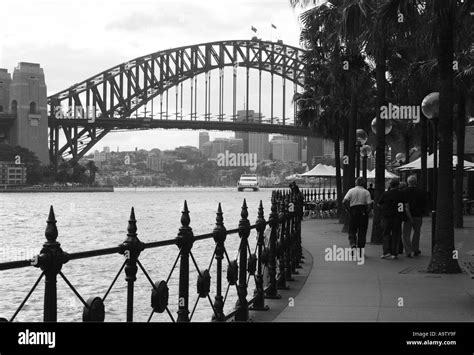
column 88, row 221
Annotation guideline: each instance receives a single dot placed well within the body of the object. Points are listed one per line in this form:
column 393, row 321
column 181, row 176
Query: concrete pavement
column 379, row 290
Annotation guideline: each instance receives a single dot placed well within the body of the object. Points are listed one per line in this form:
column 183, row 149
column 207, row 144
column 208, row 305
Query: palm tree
column 386, row 33
column 442, row 260
column 320, row 105
column 464, row 82
column 333, row 31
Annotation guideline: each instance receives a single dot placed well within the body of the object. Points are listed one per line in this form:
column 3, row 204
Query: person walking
column 358, row 203
column 394, row 208
column 417, row 200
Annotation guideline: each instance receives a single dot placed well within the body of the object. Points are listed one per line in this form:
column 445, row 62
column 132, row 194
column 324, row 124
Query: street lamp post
column 388, row 126
column 430, row 108
column 401, row 159
column 361, row 137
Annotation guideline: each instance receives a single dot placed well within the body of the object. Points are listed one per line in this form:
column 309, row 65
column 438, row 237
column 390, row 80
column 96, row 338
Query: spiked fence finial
column 132, row 224
column 185, row 219
column 51, row 232
column 244, row 214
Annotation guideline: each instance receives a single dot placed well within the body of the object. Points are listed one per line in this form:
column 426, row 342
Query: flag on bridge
column 254, row 29
column 274, row 26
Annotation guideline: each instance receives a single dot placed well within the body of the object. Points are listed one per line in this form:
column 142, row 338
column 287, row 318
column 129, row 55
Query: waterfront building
column 12, row 174
column 23, row 109
column 100, row 157
column 154, row 162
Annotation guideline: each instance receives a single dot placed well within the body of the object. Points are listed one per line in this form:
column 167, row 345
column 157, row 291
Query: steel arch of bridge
column 118, row 92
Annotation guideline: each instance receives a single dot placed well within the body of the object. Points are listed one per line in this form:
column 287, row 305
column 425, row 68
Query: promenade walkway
column 379, row 290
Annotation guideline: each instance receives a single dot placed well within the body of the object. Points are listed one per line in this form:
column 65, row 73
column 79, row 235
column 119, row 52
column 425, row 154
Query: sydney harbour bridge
column 197, row 87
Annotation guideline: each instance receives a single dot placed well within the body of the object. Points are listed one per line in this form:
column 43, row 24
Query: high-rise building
column 284, row 150
column 279, row 137
column 207, row 149
column 203, row 138
column 301, row 146
column 328, row 148
column 235, row 145
column 106, row 149
column 259, row 144
column 219, row 145
column 256, row 143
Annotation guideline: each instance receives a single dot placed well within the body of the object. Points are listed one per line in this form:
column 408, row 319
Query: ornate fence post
column 259, row 304
column 242, row 313
column 299, row 219
column 184, row 241
column 288, row 238
column 281, row 281
column 219, row 237
column 51, row 259
column 293, row 237
column 272, row 290
column 131, row 249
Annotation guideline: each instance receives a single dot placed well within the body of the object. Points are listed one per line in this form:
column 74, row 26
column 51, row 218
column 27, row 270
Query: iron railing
column 279, row 252
column 319, row 202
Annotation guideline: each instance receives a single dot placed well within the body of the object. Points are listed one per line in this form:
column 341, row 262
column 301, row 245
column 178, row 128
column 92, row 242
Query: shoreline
column 70, row 189
column 59, row 189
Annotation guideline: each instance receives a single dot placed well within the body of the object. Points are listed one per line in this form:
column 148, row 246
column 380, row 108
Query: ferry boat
column 248, row 181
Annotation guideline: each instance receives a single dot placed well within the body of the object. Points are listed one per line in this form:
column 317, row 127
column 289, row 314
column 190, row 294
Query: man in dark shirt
column 372, row 191
column 417, row 199
column 394, row 209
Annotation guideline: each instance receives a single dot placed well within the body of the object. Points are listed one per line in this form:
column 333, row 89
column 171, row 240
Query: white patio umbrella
column 332, row 169
column 319, row 170
column 416, row 164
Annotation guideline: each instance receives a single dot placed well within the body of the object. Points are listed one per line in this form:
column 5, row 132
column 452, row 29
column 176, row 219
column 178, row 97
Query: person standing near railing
column 417, row 200
column 358, row 204
column 394, row 209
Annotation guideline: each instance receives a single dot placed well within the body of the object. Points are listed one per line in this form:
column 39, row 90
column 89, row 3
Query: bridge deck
column 131, row 124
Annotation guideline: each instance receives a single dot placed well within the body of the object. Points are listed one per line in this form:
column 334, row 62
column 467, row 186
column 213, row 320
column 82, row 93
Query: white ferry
column 248, row 181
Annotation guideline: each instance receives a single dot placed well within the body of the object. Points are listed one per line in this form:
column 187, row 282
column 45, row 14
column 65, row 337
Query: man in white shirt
column 358, row 204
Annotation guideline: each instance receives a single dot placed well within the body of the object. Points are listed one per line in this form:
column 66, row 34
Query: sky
column 73, row 40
